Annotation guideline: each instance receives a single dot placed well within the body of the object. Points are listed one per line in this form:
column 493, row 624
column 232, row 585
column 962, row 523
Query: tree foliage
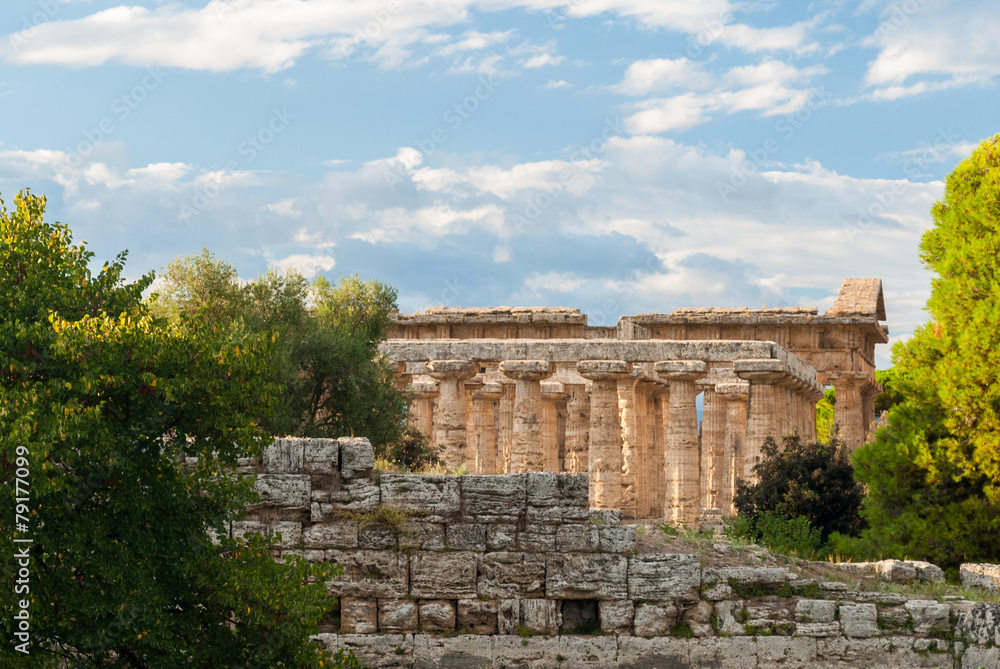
column 813, row 481
column 933, row 473
column 325, row 359
column 120, row 424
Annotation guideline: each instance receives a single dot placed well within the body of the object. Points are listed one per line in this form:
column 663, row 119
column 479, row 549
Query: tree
column 813, row 481
column 325, row 359
column 933, row 473
column 115, row 430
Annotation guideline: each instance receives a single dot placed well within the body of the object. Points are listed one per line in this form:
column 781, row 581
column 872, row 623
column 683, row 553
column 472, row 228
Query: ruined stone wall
column 516, row 571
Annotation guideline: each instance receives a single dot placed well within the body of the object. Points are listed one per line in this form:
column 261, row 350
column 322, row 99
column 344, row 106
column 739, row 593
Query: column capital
column 681, row 370
column 766, row 370
column 488, row 391
column 850, row 379
column 527, row 370
column 424, row 390
column 451, row 369
column 603, row 370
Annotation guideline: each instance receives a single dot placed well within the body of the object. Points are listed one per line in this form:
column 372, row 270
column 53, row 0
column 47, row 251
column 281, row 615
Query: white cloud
column 662, row 74
column 306, row 265
column 285, row 208
column 553, row 84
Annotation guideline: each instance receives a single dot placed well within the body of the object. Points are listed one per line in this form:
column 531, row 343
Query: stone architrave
column 577, row 427
column 526, row 453
column 765, row 404
column 735, row 397
column 604, row 457
column 450, row 420
column 551, row 392
column 484, row 410
column 682, row 503
column 847, row 411
column 421, row 413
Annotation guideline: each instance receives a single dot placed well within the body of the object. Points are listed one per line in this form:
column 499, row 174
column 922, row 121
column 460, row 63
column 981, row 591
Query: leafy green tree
column 813, row 481
column 825, row 423
column 325, row 359
column 933, row 473
column 891, row 394
column 115, row 429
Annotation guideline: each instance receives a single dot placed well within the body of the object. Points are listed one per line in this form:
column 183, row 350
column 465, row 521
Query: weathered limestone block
column 284, row 456
column 928, row 615
column 620, row 540
column 717, row 592
column 663, row 576
column 587, row 651
column 780, row 651
column 377, row 536
column 818, row 629
column 493, row 499
column 726, row 613
column 977, row 658
column 375, row 651
column 508, row 616
column 357, row 458
column 321, row 456
column 397, row 615
column 432, row 651
column 596, row 576
column 541, row 616
column 416, row 535
column 358, row 616
column 880, row 598
column 920, row 653
column 291, row 532
column 699, row 617
column 654, row 618
column 853, row 652
column 369, row 574
column 768, row 614
column 537, row 652
column 731, row 653
column 556, row 498
column 768, row 576
column 576, row 538
column 895, row 617
column 616, row 616
column 502, row 537
column 981, row 576
column 433, row 499
column 443, row 575
column 508, row 575
column 859, row 620
column 601, row 517
column 341, row 534
column 466, row 537
column 287, row 490
column 358, row 495
column 436, row 615
column 815, row 611
column 980, row 625
column 476, row 616
column 638, row 652
column 537, row 538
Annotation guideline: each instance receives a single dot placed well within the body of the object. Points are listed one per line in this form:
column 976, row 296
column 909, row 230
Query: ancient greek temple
column 536, row 389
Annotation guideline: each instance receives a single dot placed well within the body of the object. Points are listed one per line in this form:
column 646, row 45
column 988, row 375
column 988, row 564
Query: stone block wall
column 516, row 571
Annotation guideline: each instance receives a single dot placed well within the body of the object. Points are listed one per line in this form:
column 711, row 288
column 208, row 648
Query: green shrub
column 412, row 451
column 781, row 534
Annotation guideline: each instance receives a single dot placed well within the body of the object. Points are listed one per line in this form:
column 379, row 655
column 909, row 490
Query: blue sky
column 621, row 156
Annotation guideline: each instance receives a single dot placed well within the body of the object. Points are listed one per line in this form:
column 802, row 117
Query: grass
column 682, row 630
column 392, row 516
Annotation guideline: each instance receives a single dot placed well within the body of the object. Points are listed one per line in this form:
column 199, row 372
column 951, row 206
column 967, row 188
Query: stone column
column 450, row 417
column 683, row 500
column 765, row 402
column 848, row 411
column 735, row 397
column 505, row 427
column 630, row 444
column 577, row 427
column 713, row 437
column 552, row 391
column 484, row 408
column 526, row 453
column 604, row 459
column 658, row 466
column 421, row 412
column 645, row 398
column 809, row 400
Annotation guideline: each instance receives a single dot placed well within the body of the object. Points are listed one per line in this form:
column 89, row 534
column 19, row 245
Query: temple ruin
column 536, row 389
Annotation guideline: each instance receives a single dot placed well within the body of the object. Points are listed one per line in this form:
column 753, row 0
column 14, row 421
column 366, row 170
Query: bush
column 814, row 481
column 781, row 534
column 413, row 451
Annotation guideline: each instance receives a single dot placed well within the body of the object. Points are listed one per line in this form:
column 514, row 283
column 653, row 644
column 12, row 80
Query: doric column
column 646, row 418
column 765, row 403
column 713, row 437
column 629, row 443
column 848, row 411
column 450, row 418
column 735, row 397
column 484, row 410
column 577, row 427
column 421, row 412
column 526, row 437
column 552, row 391
column 809, row 399
column 505, row 427
column 658, row 467
column 604, row 457
column 682, row 503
